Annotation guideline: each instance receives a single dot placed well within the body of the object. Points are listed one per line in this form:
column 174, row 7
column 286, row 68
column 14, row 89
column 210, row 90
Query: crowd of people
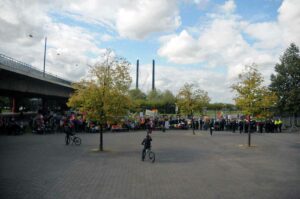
column 9, row 125
column 241, row 125
column 50, row 121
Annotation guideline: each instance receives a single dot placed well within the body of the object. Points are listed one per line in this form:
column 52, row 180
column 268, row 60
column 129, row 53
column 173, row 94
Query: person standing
column 233, row 125
column 201, row 124
column 279, row 125
column 211, row 127
column 276, row 125
column 260, row 125
column 167, row 124
column 241, row 126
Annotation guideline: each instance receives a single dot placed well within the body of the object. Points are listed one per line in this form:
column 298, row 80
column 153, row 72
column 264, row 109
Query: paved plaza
column 187, row 166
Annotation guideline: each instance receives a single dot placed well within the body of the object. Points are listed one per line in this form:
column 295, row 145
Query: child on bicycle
column 147, row 145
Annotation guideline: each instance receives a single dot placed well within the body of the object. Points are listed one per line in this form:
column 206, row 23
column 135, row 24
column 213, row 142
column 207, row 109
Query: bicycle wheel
column 77, row 140
column 152, row 156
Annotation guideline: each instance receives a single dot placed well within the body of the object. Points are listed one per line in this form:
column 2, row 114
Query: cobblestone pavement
column 187, row 166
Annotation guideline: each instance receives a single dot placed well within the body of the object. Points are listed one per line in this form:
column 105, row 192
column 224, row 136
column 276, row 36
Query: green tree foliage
column 137, row 94
column 4, row 102
column 138, row 99
column 253, row 98
column 104, row 97
column 168, row 100
column 221, row 106
column 154, row 98
column 191, row 99
column 286, row 81
column 168, row 97
column 163, row 101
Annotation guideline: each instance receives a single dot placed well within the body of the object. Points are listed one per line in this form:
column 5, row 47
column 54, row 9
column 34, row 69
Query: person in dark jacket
column 68, row 131
column 211, row 127
column 201, row 124
column 241, row 126
column 147, row 145
column 233, row 126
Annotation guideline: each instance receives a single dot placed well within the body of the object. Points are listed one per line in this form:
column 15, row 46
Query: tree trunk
column 249, row 132
column 101, row 138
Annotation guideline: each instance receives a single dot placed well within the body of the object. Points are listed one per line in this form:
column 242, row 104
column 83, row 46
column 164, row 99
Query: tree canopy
column 252, row 97
column 191, row 99
column 286, row 81
column 104, row 97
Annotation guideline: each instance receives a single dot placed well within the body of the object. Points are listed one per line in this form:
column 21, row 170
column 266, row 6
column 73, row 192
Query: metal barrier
column 287, row 121
column 28, row 69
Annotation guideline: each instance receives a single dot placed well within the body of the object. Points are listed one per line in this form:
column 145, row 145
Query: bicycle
column 148, row 154
column 73, row 139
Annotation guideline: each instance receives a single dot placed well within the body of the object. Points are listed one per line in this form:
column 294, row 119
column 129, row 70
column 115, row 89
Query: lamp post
column 45, row 56
column 45, row 49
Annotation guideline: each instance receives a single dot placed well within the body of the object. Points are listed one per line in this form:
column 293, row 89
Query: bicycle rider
column 147, row 145
column 68, row 130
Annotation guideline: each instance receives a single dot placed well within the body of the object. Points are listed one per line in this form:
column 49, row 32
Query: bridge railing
column 29, row 69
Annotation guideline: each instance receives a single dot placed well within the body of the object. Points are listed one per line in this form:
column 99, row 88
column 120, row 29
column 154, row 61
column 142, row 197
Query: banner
column 149, row 113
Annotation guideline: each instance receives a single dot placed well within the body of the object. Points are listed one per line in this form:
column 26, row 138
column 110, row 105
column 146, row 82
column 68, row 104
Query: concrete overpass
column 18, row 79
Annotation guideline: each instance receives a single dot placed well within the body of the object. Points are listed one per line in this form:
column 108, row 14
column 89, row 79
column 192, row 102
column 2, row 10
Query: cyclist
column 68, row 130
column 147, row 145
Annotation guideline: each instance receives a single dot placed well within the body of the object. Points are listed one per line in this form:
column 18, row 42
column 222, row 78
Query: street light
column 30, row 35
column 45, row 56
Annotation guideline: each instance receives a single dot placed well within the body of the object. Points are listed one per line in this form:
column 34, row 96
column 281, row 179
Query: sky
column 203, row 42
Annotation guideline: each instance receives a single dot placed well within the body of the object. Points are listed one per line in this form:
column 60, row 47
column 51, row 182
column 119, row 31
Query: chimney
column 137, row 74
column 153, row 74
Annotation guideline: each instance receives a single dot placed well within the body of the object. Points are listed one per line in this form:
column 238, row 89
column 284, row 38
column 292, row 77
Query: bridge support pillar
column 14, row 104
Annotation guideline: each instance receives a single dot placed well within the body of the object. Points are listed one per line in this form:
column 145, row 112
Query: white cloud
column 73, row 44
column 219, row 44
column 201, row 4
column 267, row 34
column 100, row 12
column 146, row 17
column 179, row 49
column 106, row 37
column 289, row 21
column 228, row 7
column 133, row 19
column 222, row 41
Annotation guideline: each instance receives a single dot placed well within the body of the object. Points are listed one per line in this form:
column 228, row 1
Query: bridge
column 18, row 79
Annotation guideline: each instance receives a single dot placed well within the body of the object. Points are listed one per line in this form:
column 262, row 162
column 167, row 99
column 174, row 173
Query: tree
column 105, row 96
column 138, row 99
column 220, row 106
column 167, row 97
column 154, row 96
column 137, row 94
column 163, row 101
column 154, row 99
column 286, row 81
column 168, row 102
column 190, row 99
column 252, row 97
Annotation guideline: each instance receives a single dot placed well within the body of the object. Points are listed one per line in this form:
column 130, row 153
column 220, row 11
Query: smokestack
column 137, row 74
column 153, row 74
